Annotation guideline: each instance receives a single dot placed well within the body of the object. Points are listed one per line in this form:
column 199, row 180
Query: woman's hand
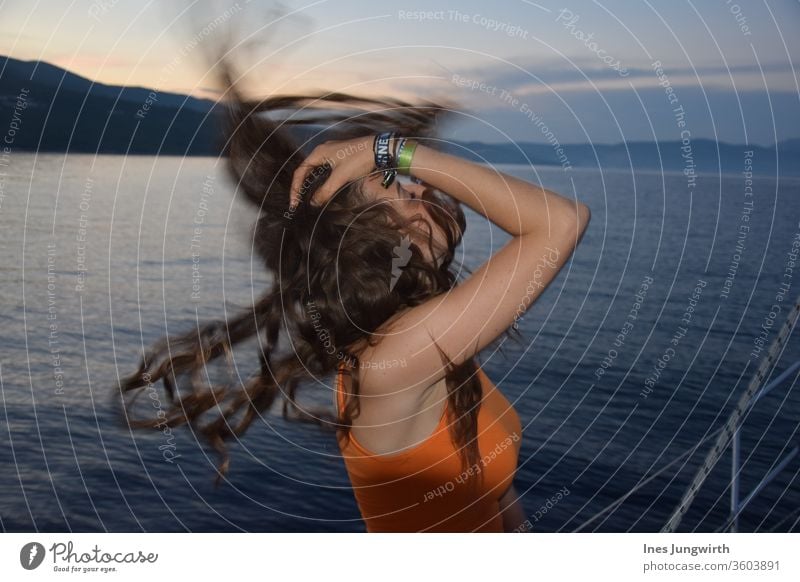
column 349, row 160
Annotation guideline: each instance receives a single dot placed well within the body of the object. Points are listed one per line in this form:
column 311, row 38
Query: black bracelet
column 383, row 157
column 384, row 160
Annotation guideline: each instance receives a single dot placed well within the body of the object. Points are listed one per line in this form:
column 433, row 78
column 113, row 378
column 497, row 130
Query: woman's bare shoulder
column 381, row 372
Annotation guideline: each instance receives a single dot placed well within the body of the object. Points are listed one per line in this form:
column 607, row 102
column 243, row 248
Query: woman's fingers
column 352, row 165
column 300, row 176
column 336, row 180
column 304, row 173
column 297, row 180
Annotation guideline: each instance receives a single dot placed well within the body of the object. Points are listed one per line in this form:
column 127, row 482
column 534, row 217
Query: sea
column 626, row 370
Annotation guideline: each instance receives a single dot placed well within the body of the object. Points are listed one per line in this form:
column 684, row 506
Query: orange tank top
column 425, row 488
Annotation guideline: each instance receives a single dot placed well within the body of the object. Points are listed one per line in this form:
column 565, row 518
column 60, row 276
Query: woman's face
column 406, row 197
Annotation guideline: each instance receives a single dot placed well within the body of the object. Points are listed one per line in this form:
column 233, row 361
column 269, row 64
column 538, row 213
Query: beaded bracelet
column 398, row 145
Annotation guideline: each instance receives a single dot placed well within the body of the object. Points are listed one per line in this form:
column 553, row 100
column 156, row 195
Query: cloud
column 525, row 76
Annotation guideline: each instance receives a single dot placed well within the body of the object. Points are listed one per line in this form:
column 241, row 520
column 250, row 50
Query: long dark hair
column 329, row 270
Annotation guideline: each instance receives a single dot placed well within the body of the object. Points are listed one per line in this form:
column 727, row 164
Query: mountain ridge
column 148, row 121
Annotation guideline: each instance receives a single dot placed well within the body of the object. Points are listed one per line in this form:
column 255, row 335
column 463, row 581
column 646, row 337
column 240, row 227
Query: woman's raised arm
column 545, row 227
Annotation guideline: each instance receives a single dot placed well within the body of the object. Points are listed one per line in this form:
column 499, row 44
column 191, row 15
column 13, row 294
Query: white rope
column 734, row 421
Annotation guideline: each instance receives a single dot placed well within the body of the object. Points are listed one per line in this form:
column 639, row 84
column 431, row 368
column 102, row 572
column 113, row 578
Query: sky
column 582, row 71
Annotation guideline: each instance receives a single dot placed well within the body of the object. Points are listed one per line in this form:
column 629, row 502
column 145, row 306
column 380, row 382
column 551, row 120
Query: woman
column 362, row 286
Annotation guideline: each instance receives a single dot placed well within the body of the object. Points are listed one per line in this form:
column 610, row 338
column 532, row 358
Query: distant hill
column 68, row 112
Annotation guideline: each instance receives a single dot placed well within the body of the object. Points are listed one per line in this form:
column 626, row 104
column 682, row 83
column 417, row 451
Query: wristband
column 398, row 145
column 404, row 157
column 383, row 158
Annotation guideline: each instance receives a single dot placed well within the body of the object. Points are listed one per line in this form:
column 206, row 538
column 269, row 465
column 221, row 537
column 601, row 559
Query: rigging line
column 733, row 422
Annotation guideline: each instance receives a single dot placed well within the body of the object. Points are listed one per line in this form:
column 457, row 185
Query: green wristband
column 404, row 157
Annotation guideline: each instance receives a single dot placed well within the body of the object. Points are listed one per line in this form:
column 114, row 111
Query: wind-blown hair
column 330, row 270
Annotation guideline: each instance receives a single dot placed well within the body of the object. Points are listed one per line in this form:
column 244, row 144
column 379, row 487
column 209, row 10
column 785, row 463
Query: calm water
column 69, row 466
